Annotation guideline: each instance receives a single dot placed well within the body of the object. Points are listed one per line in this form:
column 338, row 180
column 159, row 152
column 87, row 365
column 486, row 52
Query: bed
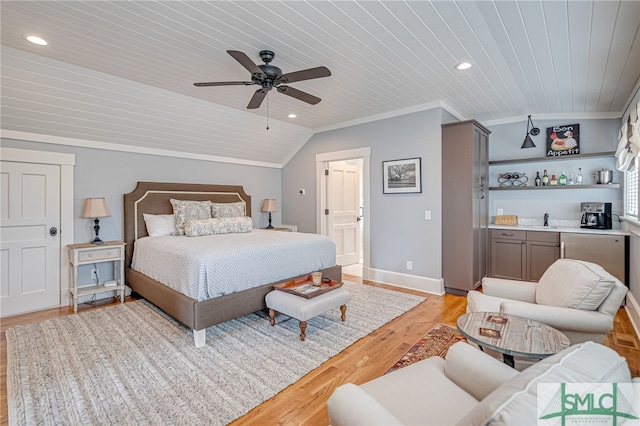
column 153, row 198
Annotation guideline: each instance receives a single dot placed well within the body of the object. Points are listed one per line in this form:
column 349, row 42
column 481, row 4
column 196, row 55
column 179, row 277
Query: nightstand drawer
column 99, row 254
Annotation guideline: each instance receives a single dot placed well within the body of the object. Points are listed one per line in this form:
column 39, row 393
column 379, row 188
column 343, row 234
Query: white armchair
column 470, row 388
column 576, row 297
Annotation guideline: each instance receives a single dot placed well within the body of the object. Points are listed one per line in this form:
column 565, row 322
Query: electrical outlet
column 500, row 212
column 409, row 265
column 427, row 215
column 94, row 275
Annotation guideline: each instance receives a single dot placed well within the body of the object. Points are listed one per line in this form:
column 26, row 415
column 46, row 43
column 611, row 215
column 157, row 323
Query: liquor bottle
column 537, row 179
column 553, row 181
column 545, row 178
column 571, row 180
column 579, row 177
column 562, row 179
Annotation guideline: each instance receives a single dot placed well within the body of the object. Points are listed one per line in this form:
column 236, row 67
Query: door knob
column 53, row 231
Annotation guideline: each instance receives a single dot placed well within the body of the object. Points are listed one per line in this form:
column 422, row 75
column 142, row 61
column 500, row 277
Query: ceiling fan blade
column 225, row 83
column 299, row 94
column 257, row 99
column 307, row 74
column 246, row 62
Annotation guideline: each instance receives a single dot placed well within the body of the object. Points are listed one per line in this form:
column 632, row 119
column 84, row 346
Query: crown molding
column 85, row 143
column 390, row 114
column 556, row 116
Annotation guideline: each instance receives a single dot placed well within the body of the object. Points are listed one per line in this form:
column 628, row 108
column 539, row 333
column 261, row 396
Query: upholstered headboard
column 153, row 198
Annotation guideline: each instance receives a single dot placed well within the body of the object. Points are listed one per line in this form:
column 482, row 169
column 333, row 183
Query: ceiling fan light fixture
column 269, row 76
column 463, row 66
column 292, row 115
column 37, row 40
column 528, row 142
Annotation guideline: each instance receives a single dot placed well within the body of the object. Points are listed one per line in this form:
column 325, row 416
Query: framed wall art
column 401, row 176
column 563, row 140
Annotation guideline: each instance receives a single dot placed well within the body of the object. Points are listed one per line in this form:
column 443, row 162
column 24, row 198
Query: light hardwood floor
column 304, row 402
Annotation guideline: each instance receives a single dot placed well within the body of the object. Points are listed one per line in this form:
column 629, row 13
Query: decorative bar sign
column 563, row 140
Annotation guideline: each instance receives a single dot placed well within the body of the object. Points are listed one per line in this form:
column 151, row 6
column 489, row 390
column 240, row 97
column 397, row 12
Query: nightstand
column 85, row 254
column 284, row 228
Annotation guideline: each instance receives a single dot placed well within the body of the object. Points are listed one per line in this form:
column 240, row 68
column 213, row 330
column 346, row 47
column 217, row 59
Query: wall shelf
column 563, row 157
column 520, row 188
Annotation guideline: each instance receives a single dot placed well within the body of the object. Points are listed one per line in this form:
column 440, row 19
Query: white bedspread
column 215, row 265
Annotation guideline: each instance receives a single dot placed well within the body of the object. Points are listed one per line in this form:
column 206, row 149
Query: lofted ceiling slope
column 122, row 72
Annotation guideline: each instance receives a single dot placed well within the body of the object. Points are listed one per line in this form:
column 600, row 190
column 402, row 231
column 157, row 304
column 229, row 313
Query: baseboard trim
column 413, row 282
column 633, row 310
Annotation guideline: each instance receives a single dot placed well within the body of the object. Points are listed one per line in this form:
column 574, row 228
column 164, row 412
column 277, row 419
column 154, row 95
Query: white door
column 343, row 203
column 29, row 254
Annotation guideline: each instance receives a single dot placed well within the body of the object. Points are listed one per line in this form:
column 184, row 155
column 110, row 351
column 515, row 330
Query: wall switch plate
column 409, row 265
column 500, row 212
column 427, row 215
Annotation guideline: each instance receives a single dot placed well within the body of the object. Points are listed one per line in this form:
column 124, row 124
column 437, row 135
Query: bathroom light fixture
column 463, row 66
column 528, row 143
column 269, row 205
column 37, row 40
column 292, row 115
column 95, row 208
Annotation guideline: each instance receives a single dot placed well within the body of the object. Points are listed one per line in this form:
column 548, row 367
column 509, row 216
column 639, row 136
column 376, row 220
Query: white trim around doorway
column 67, row 163
column 321, row 200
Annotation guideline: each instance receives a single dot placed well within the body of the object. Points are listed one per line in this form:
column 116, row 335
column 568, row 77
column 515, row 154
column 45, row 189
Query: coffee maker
column 596, row 215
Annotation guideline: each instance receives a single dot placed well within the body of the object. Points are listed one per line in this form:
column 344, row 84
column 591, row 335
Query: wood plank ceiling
column 122, row 72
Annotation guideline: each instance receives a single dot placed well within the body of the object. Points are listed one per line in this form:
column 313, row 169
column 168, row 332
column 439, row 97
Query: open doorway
column 343, row 197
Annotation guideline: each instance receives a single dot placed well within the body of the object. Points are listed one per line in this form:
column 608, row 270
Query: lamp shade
column 269, row 205
column 95, row 207
column 528, row 143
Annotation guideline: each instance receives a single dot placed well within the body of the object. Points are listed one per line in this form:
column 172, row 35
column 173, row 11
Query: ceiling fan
column 269, row 76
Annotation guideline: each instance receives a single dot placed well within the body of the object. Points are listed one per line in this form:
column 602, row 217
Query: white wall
column 111, row 174
column 597, row 135
column 399, row 231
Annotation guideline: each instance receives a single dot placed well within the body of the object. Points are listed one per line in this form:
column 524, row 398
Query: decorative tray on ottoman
column 304, row 287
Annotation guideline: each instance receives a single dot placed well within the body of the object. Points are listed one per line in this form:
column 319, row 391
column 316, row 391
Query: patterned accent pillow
column 220, row 225
column 228, row 209
column 185, row 211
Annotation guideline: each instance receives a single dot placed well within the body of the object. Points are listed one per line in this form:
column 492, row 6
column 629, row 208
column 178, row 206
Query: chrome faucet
column 546, row 219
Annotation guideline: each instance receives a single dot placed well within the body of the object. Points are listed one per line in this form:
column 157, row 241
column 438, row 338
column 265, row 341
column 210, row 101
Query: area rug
column 435, row 343
column 132, row 364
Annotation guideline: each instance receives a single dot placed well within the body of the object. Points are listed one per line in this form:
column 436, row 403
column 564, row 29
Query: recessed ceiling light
column 292, row 115
column 463, row 66
column 37, row 40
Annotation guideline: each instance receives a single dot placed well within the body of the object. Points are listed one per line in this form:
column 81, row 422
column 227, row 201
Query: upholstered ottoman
column 303, row 309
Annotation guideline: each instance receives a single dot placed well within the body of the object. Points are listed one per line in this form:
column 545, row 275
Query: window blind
column 631, row 193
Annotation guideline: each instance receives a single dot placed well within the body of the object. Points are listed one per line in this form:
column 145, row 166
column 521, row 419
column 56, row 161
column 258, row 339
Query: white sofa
column 576, row 297
column 469, row 388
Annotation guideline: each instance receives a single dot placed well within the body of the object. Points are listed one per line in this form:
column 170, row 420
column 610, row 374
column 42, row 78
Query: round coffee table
column 511, row 335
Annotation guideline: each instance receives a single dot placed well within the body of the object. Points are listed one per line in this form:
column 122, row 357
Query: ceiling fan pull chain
column 267, row 111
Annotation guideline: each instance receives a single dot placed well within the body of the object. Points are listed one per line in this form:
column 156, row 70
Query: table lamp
column 95, row 208
column 269, row 205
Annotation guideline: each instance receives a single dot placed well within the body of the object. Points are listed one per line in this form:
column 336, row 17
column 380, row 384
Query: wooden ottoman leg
column 343, row 309
column 303, row 328
column 272, row 316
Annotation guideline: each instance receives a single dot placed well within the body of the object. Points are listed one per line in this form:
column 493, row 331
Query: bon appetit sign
column 563, row 140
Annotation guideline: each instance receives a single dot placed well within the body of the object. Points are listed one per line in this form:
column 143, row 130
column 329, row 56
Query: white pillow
column 185, row 211
column 228, row 209
column 160, row 225
column 577, row 284
column 218, row 225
